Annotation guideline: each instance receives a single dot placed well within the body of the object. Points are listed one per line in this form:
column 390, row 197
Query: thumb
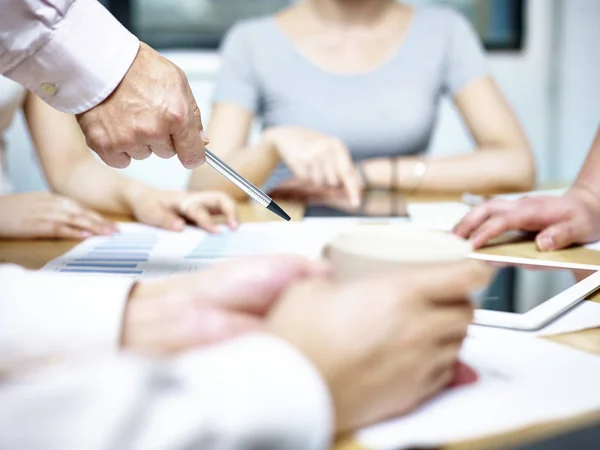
column 557, row 236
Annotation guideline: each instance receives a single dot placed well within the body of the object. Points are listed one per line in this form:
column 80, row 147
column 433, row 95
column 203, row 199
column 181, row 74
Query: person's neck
column 350, row 12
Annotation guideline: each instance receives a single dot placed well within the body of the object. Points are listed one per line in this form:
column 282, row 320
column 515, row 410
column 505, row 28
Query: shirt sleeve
column 237, row 82
column 465, row 56
column 71, row 53
column 46, row 315
column 252, row 392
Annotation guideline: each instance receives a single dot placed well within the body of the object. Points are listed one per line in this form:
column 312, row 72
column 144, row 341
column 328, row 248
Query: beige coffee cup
column 375, row 249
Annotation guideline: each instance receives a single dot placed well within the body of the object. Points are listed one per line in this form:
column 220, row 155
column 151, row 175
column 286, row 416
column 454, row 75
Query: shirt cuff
column 46, row 315
column 265, row 387
column 86, row 58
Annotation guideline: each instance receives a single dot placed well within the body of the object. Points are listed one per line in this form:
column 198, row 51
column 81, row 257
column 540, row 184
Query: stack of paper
column 522, row 381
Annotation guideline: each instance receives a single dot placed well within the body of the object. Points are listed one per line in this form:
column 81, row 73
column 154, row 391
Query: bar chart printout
column 141, row 251
column 120, row 254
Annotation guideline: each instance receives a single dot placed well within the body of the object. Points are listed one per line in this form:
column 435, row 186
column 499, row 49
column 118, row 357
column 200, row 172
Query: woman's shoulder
column 251, row 30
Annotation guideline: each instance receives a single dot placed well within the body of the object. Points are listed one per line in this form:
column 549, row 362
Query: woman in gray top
column 348, row 94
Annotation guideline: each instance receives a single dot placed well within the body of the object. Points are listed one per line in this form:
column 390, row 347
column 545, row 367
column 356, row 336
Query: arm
column 70, row 167
column 72, row 53
column 588, row 175
column 252, row 392
column 502, row 160
column 46, row 315
column 229, row 128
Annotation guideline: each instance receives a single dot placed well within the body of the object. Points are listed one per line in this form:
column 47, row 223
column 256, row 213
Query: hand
column 383, row 345
column 215, row 304
column 296, row 190
column 316, row 158
column 44, row 215
column 171, row 209
column 573, row 218
column 152, row 110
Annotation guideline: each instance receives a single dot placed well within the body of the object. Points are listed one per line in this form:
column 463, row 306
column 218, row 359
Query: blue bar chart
column 119, row 254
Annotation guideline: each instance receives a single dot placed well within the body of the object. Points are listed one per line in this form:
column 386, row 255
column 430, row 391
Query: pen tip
column 275, row 208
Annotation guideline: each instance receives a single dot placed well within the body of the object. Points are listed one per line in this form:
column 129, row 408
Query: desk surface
column 34, row 254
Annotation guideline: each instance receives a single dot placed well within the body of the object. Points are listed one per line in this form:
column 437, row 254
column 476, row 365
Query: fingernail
column 85, row 234
column 177, row 225
column 110, row 230
column 234, row 224
column 204, row 137
column 545, row 242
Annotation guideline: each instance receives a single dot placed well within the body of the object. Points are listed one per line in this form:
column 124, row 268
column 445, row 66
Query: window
column 202, row 23
column 499, row 23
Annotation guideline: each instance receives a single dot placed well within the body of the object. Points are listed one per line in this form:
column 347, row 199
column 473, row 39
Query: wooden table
column 34, row 254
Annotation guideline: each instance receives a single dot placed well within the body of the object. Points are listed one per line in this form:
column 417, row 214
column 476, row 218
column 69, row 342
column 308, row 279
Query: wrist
column 410, row 173
column 269, row 142
column 133, row 192
column 586, row 195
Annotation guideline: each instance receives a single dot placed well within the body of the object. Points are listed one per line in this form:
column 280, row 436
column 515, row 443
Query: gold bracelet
column 418, row 172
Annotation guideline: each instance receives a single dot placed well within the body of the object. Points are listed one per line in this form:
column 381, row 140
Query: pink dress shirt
column 71, row 53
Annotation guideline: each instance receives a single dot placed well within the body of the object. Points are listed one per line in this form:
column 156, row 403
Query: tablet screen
column 518, row 288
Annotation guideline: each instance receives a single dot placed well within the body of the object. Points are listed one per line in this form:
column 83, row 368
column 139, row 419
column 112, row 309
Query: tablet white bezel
column 546, row 312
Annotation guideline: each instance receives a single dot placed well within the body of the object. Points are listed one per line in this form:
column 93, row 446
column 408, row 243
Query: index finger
column 218, row 203
column 350, row 180
column 186, row 129
column 228, row 207
column 478, row 215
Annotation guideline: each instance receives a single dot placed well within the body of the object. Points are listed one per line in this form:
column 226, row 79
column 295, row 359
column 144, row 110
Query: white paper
column 442, row 216
column 522, row 381
column 141, row 251
column 593, row 246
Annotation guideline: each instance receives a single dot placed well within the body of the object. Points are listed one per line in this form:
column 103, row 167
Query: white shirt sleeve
column 254, row 392
column 71, row 53
column 46, row 315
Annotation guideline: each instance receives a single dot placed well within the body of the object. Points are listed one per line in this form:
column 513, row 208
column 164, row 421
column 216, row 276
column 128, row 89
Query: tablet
column 528, row 296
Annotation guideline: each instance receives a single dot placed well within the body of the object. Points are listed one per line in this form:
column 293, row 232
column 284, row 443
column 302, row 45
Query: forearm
column 256, row 163
column 588, row 175
column 484, row 171
column 95, row 186
column 72, row 53
column 195, row 401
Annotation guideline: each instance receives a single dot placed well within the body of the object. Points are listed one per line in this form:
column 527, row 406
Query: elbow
column 520, row 174
column 58, row 185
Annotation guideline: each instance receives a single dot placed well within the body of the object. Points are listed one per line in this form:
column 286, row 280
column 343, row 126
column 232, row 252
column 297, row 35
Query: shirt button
column 48, row 88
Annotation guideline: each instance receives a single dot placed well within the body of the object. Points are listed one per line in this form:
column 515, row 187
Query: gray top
column 387, row 111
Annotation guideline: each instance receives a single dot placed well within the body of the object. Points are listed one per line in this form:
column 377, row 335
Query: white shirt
column 71, row 53
column 63, row 385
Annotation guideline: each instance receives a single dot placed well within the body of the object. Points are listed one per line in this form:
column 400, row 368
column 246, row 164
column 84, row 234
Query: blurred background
column 544, row 54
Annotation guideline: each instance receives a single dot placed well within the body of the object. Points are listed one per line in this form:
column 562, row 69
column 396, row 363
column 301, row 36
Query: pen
column 252, row 191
